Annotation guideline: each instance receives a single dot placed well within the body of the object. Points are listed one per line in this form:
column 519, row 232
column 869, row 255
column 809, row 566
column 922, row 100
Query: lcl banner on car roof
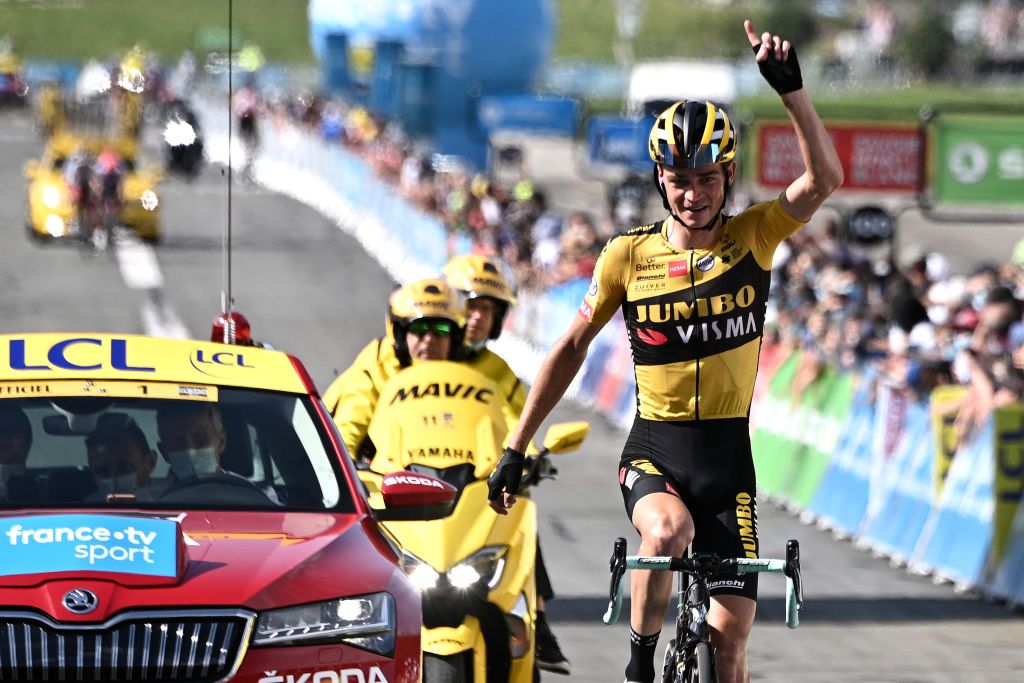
column 875, row 157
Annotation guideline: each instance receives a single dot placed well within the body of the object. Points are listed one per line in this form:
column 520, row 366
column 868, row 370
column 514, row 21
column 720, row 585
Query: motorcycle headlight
column 51, row 197
column 366, row 621
column 484, row 566
column 422, row 575
column 149, row 200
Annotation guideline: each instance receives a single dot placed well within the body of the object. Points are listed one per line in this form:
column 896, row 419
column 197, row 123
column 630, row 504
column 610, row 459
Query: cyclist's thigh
column 725, row 511
column 642, row 471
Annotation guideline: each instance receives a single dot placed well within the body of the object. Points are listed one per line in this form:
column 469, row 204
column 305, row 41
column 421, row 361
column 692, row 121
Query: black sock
column 641, row 657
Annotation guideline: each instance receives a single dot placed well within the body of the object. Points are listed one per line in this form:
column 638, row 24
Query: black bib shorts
column 709, row 466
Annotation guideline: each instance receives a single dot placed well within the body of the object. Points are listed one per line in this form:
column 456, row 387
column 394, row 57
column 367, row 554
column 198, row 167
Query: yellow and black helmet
column 476, row 275
column 432, row 298
column 690, row 134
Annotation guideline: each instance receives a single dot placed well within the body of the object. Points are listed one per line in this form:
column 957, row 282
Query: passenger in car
column 15, row 443
column 120, row 458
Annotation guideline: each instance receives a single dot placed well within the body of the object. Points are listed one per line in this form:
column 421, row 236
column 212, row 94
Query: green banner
column 774, row 438
column 978, row 160
column 797, row 432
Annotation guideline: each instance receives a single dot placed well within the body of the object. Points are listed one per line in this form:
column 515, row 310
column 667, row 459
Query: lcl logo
column 80, row 601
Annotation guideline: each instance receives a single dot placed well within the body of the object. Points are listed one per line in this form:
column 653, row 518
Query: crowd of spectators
column 510, row 218
column 919, row 326
column 917, row 323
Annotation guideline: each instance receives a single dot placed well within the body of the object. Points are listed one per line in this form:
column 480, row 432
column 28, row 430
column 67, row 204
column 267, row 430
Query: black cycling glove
column 506, row 475
column 783, row 76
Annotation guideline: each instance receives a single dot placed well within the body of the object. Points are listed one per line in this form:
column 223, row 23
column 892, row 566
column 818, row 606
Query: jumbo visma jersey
column 694, row 317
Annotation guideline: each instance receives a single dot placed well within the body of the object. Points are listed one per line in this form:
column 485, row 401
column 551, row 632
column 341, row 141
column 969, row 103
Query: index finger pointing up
column 751, row 33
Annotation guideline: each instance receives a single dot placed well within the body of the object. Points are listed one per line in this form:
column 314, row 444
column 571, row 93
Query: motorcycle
column 475, row 568
column 183, row 150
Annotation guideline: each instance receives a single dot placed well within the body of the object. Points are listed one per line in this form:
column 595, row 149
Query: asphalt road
column 308, row 288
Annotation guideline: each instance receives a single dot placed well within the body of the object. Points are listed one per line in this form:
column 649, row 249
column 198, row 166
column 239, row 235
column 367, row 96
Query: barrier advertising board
column 878, row 158
column 529, row 114
column 613, row 141
column 978, row 160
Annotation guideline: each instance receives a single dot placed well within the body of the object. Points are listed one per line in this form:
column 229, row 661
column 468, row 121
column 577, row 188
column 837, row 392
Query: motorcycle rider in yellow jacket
column 420, row 312
column 488, row 287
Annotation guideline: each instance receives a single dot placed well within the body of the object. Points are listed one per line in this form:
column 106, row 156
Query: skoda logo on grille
column 80, row 601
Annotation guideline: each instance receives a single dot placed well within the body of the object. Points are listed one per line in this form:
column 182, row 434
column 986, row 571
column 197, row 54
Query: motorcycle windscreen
column 439, row 414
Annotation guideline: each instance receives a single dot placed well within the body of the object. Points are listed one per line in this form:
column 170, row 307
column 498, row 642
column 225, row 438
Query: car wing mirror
column 565, row 436
column 409, row 496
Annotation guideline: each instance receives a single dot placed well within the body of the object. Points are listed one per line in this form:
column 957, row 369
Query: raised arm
column 823, row 174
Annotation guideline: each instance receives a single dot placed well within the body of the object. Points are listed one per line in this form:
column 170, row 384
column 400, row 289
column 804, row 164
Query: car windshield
column 218, row 448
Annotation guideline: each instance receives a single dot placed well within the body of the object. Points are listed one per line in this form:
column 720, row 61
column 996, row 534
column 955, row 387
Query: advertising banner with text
column 874, row 157
column 978, row 160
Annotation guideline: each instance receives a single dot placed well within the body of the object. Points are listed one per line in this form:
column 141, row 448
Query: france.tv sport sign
column 979, row 161
column 47, row 544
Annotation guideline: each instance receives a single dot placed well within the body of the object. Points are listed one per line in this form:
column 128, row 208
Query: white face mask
column 193, row 462
column 125, row 483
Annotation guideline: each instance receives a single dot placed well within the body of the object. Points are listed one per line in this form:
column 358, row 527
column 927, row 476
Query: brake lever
column 617, row 567
column 793, row 569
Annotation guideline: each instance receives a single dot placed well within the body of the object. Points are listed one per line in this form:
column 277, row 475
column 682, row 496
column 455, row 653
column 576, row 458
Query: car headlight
column 422, row 575
column 366, row 621
column 51, row 197
column 485, row 566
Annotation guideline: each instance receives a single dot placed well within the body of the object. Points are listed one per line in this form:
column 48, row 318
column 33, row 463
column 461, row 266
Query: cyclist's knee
column 666, row 528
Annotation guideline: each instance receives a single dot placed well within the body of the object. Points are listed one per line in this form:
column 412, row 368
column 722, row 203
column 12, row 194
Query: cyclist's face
column 429, row 340
column 479, row 318
column 696, row 195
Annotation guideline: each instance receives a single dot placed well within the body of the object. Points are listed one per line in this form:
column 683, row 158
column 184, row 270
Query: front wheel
column 700, row 669
column 670, row 666
column 454, row 669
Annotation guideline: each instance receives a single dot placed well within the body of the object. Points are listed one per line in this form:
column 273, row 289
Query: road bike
column 690, row 655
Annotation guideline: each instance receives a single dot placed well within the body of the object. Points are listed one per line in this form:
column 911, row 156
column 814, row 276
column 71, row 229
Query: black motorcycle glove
column 783, row 75
column 506, row 475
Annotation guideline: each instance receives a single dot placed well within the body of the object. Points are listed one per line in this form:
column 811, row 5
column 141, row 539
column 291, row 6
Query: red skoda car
column 184, row 511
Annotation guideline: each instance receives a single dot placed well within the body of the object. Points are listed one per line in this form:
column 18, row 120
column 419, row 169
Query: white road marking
column 140, row 270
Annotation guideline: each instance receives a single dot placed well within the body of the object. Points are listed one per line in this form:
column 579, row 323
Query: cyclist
column 692, row 288
column 78, row 175
column 489, row 287
column 425, row 321
column 109, row 173
column 248, row 106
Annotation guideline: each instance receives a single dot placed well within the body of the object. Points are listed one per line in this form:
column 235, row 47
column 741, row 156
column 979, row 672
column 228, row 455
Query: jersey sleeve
column 357, row 393
column 763, row 227
column 608, row 286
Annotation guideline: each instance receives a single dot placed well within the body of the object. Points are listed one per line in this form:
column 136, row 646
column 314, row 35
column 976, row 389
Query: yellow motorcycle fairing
column 441, row 415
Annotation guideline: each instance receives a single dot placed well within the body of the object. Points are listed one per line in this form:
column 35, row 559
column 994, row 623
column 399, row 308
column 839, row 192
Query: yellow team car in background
column 52, row 208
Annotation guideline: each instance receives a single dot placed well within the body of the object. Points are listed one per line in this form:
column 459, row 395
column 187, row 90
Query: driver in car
column 192, row 441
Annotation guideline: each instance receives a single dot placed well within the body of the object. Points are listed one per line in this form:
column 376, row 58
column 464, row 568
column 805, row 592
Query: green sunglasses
column 441, row 328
